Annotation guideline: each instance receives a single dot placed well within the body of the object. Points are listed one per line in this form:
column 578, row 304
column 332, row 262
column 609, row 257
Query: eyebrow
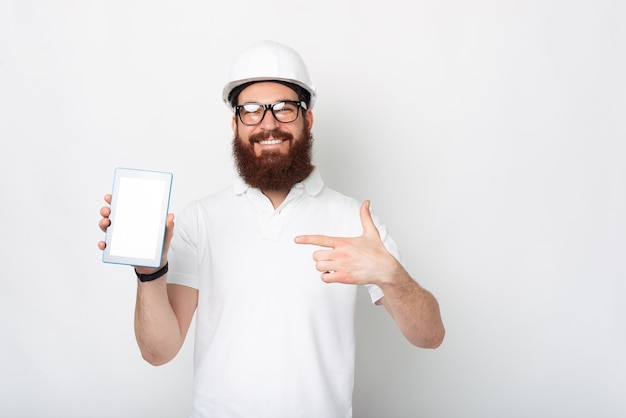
column 275, row 101
column 297, row 99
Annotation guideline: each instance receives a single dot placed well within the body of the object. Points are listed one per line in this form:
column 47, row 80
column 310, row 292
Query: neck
column 276, row 196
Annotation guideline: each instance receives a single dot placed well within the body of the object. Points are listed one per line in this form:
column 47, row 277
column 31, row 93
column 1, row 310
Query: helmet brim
column 233, row 85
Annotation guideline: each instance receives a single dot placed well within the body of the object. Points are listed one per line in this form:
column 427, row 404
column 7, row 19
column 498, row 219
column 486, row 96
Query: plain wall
column 489, row 135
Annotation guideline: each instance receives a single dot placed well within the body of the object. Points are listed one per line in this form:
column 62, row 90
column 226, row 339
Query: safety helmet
column 268, row 61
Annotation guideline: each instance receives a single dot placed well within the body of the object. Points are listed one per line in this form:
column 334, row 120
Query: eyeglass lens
column 253, row 113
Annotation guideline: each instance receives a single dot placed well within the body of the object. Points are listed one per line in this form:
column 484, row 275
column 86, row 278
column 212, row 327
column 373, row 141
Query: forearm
column 157, row 328
column 414, row 309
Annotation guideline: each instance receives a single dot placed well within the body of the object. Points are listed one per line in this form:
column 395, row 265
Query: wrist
column 145, row 274
column 150, row 270
column 397, row 279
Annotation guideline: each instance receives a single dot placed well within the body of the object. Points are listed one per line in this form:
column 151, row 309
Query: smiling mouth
column 273, row 137
column 271, row 141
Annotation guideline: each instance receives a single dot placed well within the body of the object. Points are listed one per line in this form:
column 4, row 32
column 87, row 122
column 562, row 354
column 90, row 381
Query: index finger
column 321, row 240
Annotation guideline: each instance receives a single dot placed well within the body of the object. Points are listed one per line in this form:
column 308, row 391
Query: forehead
column 266, row 92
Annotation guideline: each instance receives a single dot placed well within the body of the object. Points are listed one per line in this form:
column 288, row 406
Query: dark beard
column 273, row 170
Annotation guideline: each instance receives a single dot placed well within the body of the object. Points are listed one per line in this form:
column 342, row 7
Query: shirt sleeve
column 184, row 249
column 376, row 292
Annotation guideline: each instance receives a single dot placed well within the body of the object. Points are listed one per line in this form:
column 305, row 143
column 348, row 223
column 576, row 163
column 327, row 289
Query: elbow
column 433, row 340
column 156, row 362
column 157, row 352
column 155, row 359
column 437, row 339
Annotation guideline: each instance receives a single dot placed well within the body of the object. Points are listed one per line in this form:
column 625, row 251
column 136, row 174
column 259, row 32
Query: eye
column 284, row 107
column 278, row 106
column 251, row 108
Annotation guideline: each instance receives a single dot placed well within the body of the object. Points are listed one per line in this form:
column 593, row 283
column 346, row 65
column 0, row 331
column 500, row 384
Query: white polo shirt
column 272, row 339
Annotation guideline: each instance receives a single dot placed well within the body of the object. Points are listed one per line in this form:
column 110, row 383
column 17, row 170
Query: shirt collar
column 313, row 184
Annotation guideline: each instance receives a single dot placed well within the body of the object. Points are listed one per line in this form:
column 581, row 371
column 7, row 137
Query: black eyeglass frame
column 299, row 104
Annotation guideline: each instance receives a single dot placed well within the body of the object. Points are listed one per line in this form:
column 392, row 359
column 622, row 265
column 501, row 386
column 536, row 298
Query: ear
column 308, row 117
column 233, row 124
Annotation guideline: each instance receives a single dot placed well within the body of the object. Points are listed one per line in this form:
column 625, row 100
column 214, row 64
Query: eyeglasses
column 285, row 111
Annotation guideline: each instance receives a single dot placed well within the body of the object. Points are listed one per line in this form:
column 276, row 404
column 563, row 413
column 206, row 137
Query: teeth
column 271, row 142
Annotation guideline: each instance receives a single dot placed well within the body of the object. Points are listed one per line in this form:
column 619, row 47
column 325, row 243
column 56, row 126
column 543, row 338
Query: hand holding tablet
column 139, row 207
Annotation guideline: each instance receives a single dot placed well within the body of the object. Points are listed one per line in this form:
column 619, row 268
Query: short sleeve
column 184, row 251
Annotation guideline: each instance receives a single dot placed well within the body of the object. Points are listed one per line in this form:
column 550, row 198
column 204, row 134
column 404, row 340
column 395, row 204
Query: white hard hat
column 268, row 61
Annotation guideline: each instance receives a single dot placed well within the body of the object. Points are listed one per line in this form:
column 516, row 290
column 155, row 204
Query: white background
column 489, row 135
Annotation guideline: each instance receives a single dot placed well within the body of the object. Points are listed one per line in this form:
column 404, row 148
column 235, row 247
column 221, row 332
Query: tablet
column 139, row 205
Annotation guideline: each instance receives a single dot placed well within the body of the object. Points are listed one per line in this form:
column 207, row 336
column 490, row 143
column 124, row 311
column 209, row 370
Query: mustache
column 274, row 133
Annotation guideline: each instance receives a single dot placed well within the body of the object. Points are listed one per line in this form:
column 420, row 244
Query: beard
column 273, row 170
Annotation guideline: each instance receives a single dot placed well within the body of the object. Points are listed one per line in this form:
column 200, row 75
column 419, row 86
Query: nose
column 269, row 122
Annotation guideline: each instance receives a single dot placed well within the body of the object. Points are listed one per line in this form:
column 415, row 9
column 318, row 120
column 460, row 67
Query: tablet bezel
column 116, row 252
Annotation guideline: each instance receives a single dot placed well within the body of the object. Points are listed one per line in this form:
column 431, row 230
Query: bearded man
column 271, row 338
column 272, row 155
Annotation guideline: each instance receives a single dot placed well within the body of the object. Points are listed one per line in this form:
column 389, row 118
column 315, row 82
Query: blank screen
column 137, row 218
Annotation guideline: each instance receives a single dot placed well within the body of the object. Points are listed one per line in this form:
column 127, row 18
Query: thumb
column 169, row 231
column 366, row 219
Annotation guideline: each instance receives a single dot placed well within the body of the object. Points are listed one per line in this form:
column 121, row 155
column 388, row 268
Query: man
column 272, row 339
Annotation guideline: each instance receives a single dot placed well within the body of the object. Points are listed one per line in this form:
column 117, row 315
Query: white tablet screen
column 139, row 206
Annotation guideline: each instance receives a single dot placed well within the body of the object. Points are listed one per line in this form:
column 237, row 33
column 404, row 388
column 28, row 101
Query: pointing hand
column 359, row 260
